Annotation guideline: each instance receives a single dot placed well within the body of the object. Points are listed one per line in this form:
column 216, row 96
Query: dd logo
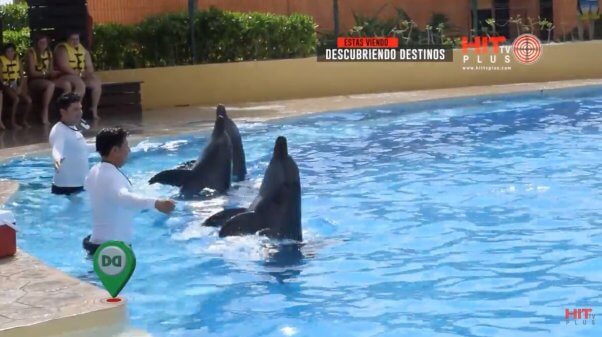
column 112, row 260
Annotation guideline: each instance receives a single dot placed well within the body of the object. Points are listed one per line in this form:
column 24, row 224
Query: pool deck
column 37, row 300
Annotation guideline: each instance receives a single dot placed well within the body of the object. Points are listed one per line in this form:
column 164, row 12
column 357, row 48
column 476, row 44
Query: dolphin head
column 220, row 110
column 280, row 148
column 219, row 127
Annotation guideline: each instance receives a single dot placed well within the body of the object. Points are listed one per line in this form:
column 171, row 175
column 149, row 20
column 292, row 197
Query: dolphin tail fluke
column 218, row 219
column 243, row 224
column 171, row 177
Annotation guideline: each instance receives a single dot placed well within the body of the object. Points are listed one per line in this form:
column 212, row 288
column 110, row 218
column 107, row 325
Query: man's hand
column 165, row 206
column 57, row 164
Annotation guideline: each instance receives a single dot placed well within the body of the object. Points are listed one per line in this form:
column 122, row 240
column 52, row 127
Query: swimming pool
column 467, row 217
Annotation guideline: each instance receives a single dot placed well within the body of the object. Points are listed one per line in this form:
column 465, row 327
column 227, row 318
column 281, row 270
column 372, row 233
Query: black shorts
column 89, row 246
column 66, row 190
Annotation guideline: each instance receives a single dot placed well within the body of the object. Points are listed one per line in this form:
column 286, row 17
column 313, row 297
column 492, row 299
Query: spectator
column 13, row 84
column 41, row 74
column 74, row 63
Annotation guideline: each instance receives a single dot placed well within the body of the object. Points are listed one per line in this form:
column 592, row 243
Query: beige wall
column 300, row 78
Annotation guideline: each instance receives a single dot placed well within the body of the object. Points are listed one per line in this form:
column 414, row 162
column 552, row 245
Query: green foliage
column 113, row 46
column 371, row 25
column 221, row 36
column 19, row 37
column 14, row 16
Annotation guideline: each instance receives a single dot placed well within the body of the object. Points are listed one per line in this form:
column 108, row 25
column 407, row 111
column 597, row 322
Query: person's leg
column 95, row 86
column 2, row 127
column 79, row 87
column 63, row 84
column 76, row 84
column 47, row 90
column 34, row 87
column 14, row 99
column 24, row 97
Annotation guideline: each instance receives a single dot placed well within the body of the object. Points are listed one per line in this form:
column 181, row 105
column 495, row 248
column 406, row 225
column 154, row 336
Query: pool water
column 468, row 217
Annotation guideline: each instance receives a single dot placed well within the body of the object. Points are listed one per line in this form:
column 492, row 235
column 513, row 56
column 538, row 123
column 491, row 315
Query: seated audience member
column 74, row 64
column 14, row 86
column 41, row 76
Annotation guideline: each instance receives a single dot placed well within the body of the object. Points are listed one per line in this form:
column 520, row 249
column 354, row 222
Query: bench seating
column 118, row 100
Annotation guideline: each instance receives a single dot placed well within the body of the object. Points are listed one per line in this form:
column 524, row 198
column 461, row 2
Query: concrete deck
column 36, row 300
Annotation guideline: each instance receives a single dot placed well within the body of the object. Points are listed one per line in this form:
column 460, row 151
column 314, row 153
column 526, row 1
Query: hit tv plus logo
column 580, row 316
column 526, row 49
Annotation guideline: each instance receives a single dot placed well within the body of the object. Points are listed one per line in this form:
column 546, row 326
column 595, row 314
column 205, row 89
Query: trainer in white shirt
column 69, row 148
column 114, row 205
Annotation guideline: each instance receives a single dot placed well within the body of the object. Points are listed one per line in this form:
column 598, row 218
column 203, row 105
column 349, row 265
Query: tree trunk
column 475, row 19
column 335, row 14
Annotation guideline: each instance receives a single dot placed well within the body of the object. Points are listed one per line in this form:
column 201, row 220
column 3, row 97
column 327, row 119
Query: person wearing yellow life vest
column 74, row 63
column 41, row 74
column 13, row 83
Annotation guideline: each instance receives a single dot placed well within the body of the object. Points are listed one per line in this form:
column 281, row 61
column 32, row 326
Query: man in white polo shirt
column 113, row 203
column 69, row 148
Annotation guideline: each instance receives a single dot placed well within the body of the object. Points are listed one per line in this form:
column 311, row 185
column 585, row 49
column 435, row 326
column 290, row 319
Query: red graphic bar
column 367, row 42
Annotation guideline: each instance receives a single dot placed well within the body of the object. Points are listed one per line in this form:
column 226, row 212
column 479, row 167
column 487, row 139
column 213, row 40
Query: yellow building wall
column 210, row 84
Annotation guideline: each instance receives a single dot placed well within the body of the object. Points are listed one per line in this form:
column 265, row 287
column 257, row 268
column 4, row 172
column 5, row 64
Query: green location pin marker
column 114, row 263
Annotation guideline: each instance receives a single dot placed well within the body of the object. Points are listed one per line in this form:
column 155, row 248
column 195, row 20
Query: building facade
column 563, row 13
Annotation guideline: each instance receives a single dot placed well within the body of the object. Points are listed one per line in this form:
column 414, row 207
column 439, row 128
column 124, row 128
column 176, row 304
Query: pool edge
column 112, row 317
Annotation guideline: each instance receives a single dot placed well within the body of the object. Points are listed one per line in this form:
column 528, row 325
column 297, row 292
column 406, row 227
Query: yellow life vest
column 11, row 70
column 77, row 56
column 41, row 62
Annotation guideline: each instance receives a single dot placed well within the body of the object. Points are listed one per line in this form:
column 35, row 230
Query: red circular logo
column 527, row 49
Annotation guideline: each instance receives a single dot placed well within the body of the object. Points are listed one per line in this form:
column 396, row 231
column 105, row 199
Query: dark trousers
column 66, row 190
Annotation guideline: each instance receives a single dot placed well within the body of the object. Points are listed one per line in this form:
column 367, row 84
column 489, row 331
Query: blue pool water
column 472, row 217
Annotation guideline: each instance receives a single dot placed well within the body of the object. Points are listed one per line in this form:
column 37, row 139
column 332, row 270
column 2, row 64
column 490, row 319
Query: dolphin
column 239, row 166
column 276, row 211
column 212, row 170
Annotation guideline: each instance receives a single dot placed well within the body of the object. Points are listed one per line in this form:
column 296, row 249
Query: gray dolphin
column 212, row 170
column 276, row 211
column 239, row 166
